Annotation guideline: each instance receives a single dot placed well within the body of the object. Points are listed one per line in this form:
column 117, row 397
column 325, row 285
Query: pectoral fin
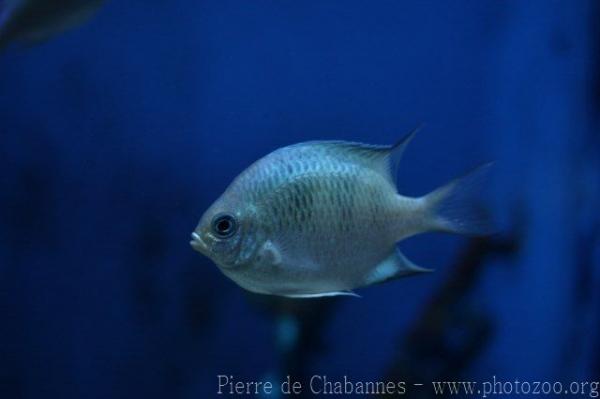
column 394, row 266
column 269, row 254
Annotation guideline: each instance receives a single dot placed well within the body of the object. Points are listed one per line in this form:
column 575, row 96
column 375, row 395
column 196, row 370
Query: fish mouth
column 198, row 244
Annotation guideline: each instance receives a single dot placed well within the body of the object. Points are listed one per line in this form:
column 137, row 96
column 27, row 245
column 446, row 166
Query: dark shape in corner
column 33, row 21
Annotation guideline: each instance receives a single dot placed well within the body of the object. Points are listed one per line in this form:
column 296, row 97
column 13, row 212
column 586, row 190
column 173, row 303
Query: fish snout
column 198, row 244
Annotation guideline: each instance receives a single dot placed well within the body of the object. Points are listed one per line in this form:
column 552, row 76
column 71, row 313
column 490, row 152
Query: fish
column 323, row 218
column 34, row 21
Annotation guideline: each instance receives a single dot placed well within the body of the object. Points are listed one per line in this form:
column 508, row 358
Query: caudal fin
column 455, row 208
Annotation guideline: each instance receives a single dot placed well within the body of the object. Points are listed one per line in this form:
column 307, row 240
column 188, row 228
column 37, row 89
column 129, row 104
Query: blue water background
column 116, row 136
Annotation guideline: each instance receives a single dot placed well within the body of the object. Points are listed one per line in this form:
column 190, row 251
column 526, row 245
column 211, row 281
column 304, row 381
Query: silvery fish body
column 322, row 218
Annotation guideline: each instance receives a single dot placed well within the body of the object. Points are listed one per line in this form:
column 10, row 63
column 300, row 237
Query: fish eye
column 224, row 225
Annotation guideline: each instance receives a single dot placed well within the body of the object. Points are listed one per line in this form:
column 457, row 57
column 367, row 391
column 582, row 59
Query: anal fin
column 394, row 266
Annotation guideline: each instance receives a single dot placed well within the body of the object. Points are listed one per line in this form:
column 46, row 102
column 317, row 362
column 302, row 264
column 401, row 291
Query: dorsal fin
column 395, row 154
column 382, row 158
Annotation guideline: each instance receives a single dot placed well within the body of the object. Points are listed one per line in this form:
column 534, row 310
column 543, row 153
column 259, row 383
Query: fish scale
column 348, row 202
